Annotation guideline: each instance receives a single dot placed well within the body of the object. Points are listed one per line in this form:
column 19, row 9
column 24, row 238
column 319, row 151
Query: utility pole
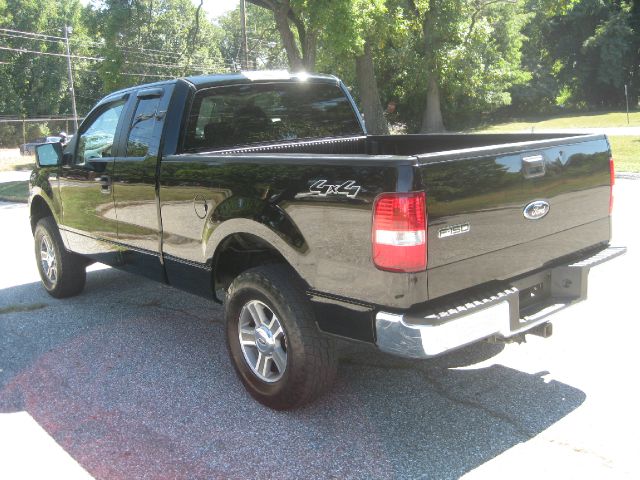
column 626, row 96
column 67, row 30
column 244, row 62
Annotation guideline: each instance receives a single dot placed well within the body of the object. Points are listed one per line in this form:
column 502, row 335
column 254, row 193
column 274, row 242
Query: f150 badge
column 321, row 188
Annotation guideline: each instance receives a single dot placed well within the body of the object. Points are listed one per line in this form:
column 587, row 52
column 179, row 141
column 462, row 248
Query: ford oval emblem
column 536, row 210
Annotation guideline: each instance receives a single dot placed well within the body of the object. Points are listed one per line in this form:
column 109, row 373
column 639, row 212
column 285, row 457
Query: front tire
column 277, row 350
column 63, row 273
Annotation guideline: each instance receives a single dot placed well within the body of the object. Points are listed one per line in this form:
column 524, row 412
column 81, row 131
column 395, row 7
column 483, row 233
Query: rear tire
column 63, row 273
column 282, row 358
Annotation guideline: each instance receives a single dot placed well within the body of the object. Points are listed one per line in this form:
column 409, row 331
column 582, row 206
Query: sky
column 215, row 8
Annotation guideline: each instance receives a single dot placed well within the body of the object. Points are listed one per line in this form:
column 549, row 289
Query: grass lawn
column 584, row 120
column 14, row 191
column 626, row 148
column 626, row 153
column 10, row 159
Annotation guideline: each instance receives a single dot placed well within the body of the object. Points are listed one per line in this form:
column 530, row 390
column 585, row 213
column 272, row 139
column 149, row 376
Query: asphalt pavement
column 131, row 380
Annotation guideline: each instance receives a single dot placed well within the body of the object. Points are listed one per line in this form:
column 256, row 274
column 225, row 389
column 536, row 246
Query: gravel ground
column 131, row 380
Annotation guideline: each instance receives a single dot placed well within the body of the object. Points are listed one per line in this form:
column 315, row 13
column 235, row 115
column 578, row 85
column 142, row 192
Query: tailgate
column 496, row 212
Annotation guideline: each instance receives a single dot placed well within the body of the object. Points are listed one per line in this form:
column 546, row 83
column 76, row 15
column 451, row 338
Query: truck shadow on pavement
column 132, row 379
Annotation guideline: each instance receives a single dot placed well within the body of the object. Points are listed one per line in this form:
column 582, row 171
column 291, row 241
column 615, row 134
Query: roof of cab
column 204, row 81
column 213, row 80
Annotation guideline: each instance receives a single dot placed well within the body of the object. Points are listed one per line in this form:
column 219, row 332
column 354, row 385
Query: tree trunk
column 301, row 58
column 309, row 49
column 281, row 16
column 369, row 96
column 432, row 118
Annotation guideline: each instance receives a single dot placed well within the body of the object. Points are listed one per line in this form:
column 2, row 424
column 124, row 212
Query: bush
column 8, row 136
column 36, row 130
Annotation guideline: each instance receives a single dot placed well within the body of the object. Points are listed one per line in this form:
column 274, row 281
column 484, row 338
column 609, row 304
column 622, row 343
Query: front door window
column 97, row 140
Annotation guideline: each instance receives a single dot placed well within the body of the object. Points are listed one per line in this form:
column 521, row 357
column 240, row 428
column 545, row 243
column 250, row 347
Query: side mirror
column 48, row 154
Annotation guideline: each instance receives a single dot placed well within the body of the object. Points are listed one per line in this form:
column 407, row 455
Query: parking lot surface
column 131, row 380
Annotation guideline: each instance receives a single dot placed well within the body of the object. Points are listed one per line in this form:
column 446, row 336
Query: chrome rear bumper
column 503, row 312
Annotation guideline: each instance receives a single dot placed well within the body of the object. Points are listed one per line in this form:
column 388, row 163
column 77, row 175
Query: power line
column 26, row 37
column 20, row 34
column 24, row 50
column 198, row 68
column 151, row 52
column 35, row 34
column 38, row 119
column 143, row 50
column 128, row 74
column 90, row 44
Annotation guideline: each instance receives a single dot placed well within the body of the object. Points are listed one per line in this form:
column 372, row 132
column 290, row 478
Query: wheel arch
column 240, row 251
column 38, row 210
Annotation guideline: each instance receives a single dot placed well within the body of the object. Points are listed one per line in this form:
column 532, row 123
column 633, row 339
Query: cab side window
column 96, row 141
column 142, row 127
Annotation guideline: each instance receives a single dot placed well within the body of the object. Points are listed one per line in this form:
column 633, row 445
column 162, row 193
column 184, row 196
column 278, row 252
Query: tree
column 353, row 30
column 470, row 54
column 592, row 44
column 264, row 49
column 349, row 29
column 151, row 39
column 298, row 23
column 580, row 54
column 32, row 83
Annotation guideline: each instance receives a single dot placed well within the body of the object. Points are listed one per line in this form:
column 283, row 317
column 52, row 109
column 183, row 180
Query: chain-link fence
column 15, row 132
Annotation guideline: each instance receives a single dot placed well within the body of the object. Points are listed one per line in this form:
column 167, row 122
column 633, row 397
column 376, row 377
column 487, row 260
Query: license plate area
column 534, row 299
column 535, row 294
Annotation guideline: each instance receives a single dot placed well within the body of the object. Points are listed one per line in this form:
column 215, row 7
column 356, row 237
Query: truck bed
column 474, row 180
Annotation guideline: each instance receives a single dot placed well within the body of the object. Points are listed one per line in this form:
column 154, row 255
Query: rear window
column 239, row 115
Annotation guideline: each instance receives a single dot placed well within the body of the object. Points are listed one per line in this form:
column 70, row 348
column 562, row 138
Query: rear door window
column 142, row 127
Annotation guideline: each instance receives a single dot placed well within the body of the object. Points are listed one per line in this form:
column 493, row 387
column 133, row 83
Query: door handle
column 105, row 183
column 533, row 166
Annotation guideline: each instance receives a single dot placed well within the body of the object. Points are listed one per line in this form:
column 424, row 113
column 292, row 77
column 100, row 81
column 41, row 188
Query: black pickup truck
column 264, row 192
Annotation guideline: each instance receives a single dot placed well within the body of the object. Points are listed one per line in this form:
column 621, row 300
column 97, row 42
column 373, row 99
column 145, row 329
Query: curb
column 628, row 176
column 13, row 200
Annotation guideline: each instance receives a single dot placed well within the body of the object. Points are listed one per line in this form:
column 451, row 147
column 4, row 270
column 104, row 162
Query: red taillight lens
column 399, row 233
column 612, row 181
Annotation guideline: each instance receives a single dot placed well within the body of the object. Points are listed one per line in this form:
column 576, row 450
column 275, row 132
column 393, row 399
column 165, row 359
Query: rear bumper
column 502, row 312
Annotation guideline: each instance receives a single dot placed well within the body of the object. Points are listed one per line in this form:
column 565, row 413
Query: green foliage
column 580, row 54
column 8, row 136
column 474, row 49
column 478, row 71
column 264, row 46
column 350, row 23
column 35, row 85
column 156, row 38
column 36, row 130
column 488, row 56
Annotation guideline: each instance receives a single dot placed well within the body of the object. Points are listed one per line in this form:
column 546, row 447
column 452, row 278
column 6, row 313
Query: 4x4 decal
column 321, row 188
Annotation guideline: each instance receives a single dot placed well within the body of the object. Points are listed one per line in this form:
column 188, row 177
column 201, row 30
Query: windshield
column 238, row 115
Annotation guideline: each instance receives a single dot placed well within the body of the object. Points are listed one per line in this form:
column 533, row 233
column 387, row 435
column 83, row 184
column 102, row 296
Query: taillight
column 399, row 232
column 612, row 181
